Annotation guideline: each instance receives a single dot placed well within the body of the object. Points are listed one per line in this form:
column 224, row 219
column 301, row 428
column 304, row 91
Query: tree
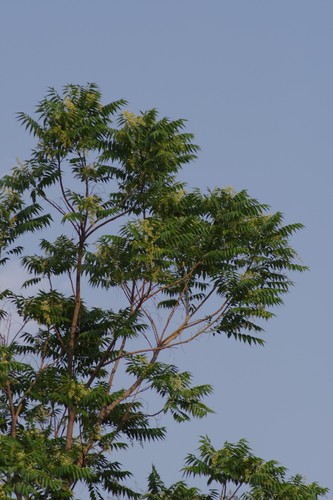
column 178, row 491
column 231, row 469
column 235, row 466
column 100, row 191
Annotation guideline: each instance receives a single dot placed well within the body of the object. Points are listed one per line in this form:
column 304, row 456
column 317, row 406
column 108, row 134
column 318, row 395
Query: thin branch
column 185, row 325
column 19, row 330
column 223, row 492
column 160, row 347
column 54, row 205
column 128, row 293
column 71, row 282
column 207, row 297
column 175, row 307
column 92, row 228
column 61, row 423
column 62, row 212
column 132, row 296
column 138, row 291
column 58, row 334
column 167, row 343
column 101, row 363
column 153, row 325
column 234, row 493
column 175, row 283
column 143, row 293
column 115, row 366
column 12, row 409
column 63, row 192
column 107, row 410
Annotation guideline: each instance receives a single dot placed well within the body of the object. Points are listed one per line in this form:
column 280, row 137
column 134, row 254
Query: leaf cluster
column 237, row 473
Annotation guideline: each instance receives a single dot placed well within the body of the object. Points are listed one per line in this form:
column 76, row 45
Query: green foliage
column 101, row 191
column 232, row 470
column 178, row 491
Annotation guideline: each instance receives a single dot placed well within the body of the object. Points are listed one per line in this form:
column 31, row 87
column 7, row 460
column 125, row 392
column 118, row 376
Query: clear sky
column 254, row 78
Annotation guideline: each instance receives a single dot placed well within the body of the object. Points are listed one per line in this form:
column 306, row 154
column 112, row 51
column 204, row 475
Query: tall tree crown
column 103, row 182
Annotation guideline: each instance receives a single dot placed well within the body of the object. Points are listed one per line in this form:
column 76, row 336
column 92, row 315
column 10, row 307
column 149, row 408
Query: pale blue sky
column 255, row 81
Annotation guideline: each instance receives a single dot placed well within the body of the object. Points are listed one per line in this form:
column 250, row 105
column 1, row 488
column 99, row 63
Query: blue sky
column 254, row 79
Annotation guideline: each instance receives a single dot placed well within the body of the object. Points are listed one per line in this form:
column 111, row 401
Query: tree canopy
column 101, row 198
column 236, row 473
